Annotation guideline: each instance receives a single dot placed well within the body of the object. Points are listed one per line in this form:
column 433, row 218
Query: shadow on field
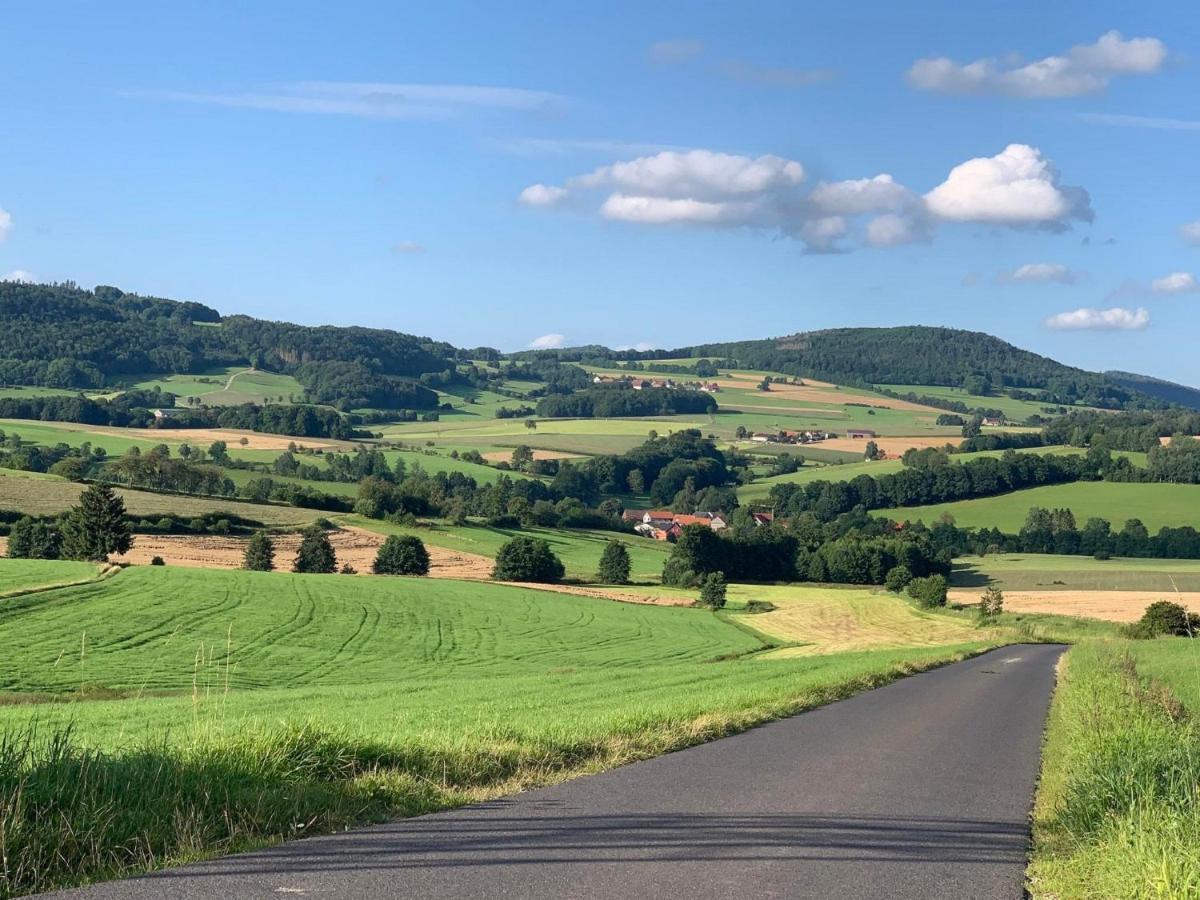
column 485, row 835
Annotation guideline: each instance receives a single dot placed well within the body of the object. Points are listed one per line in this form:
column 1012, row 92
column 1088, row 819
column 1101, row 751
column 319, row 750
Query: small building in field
column 992, row 421
column 161, row 414
column 860, row 434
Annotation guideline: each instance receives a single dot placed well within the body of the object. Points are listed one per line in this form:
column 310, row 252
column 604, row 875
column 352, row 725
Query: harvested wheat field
column 813, row 393
column 355, row 546
column 892, row 446
column 506, row 455
column 1112, row 606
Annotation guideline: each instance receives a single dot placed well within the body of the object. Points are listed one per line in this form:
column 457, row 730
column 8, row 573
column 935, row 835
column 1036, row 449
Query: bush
column 712, row 591
column 898, row 578
column 402, row 555
column 929, row 592
column 157, row 561
column 614, row 564
column 759, row 606
column 991, row 604
column 527, row 559
column 347, row 569
column 1165, row 618
column 677, row 573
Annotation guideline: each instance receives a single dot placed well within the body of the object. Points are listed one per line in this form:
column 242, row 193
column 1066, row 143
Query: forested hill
column 920, row 354
column 61, row 336
column 1168, row 391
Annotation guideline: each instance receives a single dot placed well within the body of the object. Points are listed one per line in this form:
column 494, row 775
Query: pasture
column 1157, row 505
column 227, row 386
column 1047, row 572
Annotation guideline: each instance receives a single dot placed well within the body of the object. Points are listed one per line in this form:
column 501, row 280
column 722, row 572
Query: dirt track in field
column 1113, row 606
column 355, row 546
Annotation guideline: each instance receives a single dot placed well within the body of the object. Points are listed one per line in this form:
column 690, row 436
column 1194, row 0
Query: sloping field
column 1156, row 505
column 118, row 440
column 24, row 574
column 836, row 620
column 166, row 628
column 49, row 496
column 1047, row 572
column 1112, row 606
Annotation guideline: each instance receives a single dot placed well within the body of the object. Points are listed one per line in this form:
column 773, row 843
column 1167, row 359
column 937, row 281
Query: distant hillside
column 61, row 336
column 918, row 355
column 1167, row 391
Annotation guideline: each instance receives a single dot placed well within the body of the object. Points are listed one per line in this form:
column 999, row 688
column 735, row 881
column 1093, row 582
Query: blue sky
column 624, row 173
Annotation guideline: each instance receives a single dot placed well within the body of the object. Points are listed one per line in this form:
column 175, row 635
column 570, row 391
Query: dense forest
column 64, row 337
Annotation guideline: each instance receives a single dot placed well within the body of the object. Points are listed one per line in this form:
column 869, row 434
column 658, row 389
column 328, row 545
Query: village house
column 992, row 421
column 161, row 414
column 662, row 524
column 860, row 434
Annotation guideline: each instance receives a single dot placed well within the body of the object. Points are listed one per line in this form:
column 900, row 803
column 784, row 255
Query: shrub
column 929, row 592
column 614, row 564
column 1164, row 617
column 527, row 559
column 347, row 569
column 157, row 561
column 401, row 555
column 712, row 591
column 897, row 578
column 991, row 604
column 677, row 573
column 759, row 606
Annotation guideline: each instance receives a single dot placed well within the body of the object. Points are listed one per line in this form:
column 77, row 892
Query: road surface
column 920, row 789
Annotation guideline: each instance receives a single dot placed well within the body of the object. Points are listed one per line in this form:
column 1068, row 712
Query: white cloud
column 695, row 173
column 5, row 223
column 1084, row 69
column 1175, row 283
column 1043, row 272
column 674, row 51
column 1087, row 319
column 1016, row 187
column 373, row 100
column 550, row 341
column 408, row 247
column 19, row 275
column 542, row 195
column 1190, row 232
column 1126, row 121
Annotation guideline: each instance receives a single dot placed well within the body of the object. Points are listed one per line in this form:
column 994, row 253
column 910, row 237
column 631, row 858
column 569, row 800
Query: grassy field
column 1118, row 806
column 262, row 706
column 1036, row 571
column 227, row 386
column 48, row 496
column 1157, row 505
column 1014, row 410
column 23, row 574
column 579, row 549
column 825, row 619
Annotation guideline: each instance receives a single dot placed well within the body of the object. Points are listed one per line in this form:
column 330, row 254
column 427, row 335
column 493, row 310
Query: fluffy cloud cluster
column 1017, row 188
column 1087, row 319
column 550, row 341
column 1175, row 283
column 1039, row 272
column 5, row 223
column 1084, row 69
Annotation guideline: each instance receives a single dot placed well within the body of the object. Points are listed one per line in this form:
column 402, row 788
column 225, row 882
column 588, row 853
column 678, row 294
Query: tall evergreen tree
column 260, row 553
column 96, row 527
column 316, row 554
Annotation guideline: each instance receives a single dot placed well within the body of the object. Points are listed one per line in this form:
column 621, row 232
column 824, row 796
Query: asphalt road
column 919, row 789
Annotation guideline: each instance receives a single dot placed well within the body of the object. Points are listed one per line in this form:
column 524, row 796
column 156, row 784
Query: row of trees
column 621, row 400
column 398, row 555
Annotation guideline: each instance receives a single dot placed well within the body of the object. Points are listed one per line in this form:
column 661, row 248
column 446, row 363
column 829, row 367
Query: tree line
column 621, row 400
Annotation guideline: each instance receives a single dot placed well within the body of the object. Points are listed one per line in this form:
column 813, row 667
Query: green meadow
column 1157, row 505
column 1015, row 410
column 24, row 574
column 1045, row 572
column 227, row 386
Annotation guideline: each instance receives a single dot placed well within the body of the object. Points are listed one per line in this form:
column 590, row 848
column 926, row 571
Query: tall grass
column 1118, row 812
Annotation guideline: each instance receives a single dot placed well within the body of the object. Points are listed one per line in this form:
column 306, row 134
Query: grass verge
column 1118, row 808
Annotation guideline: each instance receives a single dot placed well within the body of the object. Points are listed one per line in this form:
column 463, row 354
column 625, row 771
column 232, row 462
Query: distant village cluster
column 664, row 525
column 708, row 387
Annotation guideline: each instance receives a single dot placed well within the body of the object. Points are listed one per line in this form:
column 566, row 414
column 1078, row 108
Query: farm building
column 860, row 433
column 992, row 421
column 161, row 414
